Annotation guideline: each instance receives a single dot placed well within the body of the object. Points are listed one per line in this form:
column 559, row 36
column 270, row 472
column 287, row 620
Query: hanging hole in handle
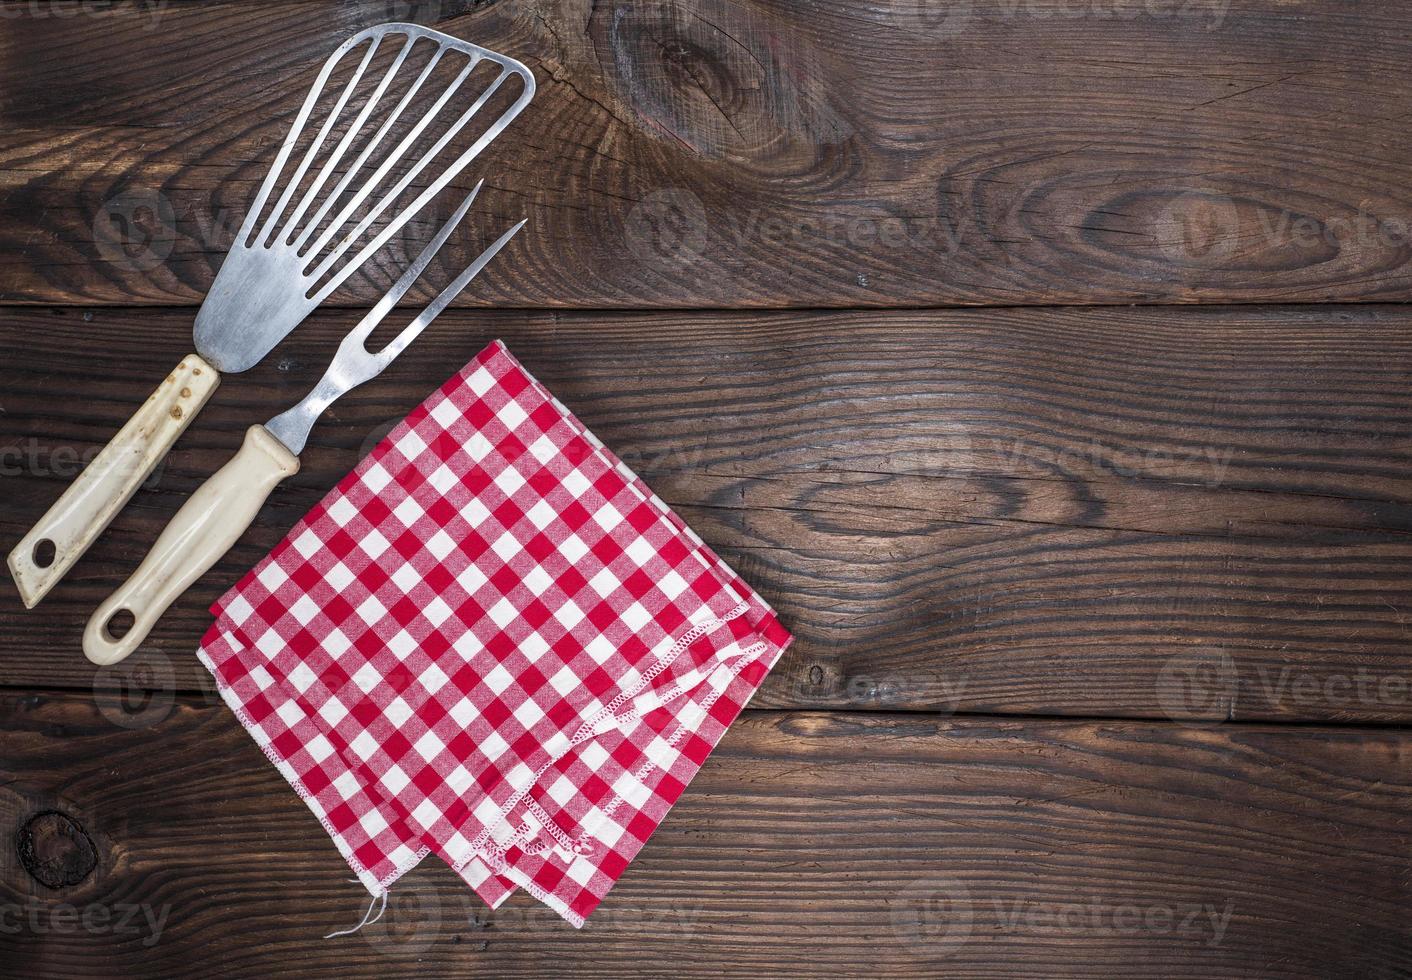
column 119, row 623
column 43, row 553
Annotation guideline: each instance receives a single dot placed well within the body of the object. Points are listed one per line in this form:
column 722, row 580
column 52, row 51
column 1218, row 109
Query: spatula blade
column 347, row 177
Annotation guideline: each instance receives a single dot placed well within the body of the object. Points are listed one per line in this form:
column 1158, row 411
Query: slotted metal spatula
column 393, row 103
column 218, row 513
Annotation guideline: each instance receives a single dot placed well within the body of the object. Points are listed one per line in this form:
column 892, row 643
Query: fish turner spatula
column 393, row 103
column 217, row 514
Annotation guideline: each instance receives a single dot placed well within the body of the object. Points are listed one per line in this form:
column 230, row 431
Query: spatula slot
column 388, row 195
column 376, row 120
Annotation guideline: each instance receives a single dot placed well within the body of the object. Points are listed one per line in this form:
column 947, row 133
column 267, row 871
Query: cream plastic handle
column 204, row 529
column 109, row 481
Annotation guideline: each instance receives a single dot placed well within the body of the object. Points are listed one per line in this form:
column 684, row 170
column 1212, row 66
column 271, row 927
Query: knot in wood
column 55, row 849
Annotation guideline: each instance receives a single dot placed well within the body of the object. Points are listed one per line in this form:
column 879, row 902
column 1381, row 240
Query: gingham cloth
column 491, row 641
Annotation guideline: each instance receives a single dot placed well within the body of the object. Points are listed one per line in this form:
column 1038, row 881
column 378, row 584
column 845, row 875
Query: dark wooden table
column 1045, row 362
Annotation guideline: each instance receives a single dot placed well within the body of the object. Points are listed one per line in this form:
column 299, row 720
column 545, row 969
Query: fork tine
column 443, row 299
column 354, row 364
column 414, row 272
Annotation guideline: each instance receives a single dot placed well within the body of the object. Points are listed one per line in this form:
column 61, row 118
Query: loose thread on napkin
column 366, row 921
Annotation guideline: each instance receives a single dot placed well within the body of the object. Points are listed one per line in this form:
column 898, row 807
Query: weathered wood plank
column 811, row 844
column 1121, row 512
column 728, row 153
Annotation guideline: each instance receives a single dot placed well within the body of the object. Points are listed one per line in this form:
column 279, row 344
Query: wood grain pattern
column 811, row 844
column 1138, row 513
column 726, row 153
column 1103, row 614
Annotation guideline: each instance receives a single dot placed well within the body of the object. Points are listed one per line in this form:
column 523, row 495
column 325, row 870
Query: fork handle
column 107, row 483
column 210, row 521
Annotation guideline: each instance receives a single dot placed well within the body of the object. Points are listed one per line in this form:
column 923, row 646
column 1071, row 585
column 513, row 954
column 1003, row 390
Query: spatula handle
column 212, row 520
column 109, row 481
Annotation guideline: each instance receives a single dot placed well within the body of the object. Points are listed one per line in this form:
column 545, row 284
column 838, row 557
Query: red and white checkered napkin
column 491, row 641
